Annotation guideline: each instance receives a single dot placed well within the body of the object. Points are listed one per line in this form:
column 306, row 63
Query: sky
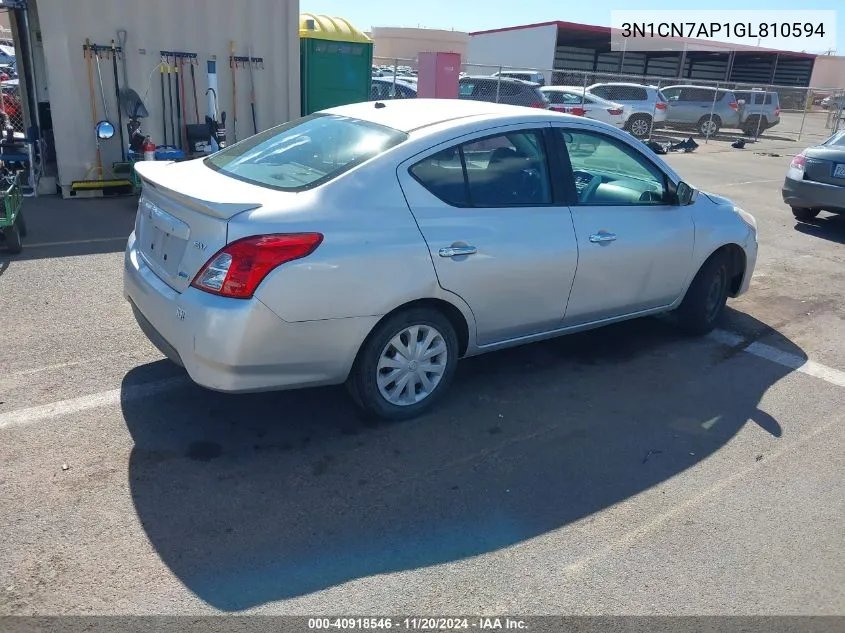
column 479, row 15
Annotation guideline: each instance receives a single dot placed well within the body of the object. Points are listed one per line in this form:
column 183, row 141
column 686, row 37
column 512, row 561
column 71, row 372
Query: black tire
column 706, row 297
column 21, row 224
column 750, row 127
column 12, row 235
column 639, row 125
column 804, row 215
column 702, row 123
column 362, row 382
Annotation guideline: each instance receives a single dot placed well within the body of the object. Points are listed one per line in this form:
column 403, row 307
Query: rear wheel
column 706, row 297
column 708, row 126
column 406, row 366
column 754, row 125
column 639, row 125
column 805, row 215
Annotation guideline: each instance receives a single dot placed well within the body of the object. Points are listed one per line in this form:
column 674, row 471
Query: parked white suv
column 645, row 103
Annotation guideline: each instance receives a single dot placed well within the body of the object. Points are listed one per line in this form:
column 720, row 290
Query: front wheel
column 406, row 365
column 804, row 215
column 706, row 297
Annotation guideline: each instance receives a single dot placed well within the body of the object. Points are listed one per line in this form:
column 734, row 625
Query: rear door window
column 304, row 153
column 506, row 170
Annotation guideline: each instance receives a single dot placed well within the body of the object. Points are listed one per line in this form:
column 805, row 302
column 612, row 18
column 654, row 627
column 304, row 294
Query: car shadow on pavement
column 250, row 499
column 829, row 227
column 64, row 228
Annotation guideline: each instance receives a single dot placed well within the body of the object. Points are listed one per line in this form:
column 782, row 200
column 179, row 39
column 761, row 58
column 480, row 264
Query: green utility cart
column 336, row 63
column 12, row 227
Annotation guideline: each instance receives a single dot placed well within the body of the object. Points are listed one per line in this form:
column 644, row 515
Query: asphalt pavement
column 629, row 470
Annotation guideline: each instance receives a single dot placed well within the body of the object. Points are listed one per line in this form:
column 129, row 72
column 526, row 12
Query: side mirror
column 686, row 194
column 105, row 130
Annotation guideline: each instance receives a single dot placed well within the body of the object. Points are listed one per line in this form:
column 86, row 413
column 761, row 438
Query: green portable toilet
column 336, row 63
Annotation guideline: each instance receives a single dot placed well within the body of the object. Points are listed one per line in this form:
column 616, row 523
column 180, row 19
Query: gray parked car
column 759, row 110
column 815, row 180
column 502, row 90
column 701, row 107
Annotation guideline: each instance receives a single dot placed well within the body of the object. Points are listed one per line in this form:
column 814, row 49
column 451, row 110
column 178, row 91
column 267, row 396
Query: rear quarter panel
column 372, row 258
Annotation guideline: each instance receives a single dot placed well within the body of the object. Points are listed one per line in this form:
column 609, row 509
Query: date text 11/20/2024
column 419, row 624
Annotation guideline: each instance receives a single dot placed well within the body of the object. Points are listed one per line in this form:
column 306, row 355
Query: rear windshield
column 837, row 139
column 304, row 153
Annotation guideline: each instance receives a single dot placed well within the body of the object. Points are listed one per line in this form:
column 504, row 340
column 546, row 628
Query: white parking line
column 92, row 401
column 809, row 367
column 116, row 396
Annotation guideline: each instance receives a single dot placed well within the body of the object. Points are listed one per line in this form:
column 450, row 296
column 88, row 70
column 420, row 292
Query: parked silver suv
column 647, row 104
column 701, row 107
column 759, row 110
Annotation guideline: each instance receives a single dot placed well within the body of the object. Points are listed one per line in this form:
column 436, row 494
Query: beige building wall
column 828, row 72
column 204, row 27
column 407, row 43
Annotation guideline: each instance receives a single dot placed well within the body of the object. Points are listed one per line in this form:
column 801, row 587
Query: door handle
column 457, row 251
column 598, row 238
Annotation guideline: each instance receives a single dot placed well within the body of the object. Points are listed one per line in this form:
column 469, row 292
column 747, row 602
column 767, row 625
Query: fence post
column 712, row 110
column 498, row 83
column 654, row 108
column 760, row 114
column 808, row 103
column 395, row 70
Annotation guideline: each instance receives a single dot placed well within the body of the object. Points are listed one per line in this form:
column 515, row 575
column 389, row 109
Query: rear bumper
column 234, row 345
column 807, row 194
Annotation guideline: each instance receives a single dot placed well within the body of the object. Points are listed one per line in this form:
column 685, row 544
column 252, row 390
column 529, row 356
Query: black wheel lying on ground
column 706, row 297
column 406, row 365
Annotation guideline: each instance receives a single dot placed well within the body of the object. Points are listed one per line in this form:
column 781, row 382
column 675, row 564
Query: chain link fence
column 650, row 107
column 11, row 108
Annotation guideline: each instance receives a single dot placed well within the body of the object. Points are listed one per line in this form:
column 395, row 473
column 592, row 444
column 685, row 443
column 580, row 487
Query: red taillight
column 569, row 110
column 236, row 270
column 614, row 111
column 660, row 105
column 798, row 161
column 733, row 105
column 540, row 104
column 777, row 111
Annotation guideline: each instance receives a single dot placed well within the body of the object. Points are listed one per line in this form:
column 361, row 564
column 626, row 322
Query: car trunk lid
column 825, row 165
column 183, row 215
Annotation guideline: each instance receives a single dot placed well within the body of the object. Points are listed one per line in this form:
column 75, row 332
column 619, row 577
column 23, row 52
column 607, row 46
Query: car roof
column 620, row 83
column 406, row 115
column 563, row 88
column 695, row 86
column 498, row 79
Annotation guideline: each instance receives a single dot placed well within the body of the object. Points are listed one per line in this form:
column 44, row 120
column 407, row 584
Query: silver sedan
column 375, row 244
